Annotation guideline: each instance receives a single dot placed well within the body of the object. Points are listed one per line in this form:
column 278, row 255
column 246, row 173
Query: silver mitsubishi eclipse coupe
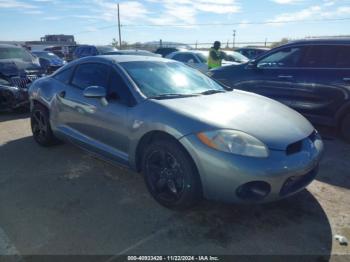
column 187, row 134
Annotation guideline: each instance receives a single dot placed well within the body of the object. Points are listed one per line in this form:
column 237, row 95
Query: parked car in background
column 133, row 52
column 196, row 59
column 252, row 52
column 187, row 135
column 49, row 61
column 164, row 51
column 234, row 56
column 91, row 50
column 18, row 69
column 63, row 52
column 311, row 76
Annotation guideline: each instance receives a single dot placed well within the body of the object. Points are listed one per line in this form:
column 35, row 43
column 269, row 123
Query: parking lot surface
column 61, row 200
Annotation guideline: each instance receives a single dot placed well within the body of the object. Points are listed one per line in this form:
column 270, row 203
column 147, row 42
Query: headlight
column 234, row 142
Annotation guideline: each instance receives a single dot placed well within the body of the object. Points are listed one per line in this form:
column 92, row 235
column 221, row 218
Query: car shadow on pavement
column 295, row 226
column 334, row 167
column 61, row 200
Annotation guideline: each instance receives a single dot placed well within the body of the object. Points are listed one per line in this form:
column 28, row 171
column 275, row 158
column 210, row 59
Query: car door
column 99, row 125
column 112, row 119
column 273, row 75
column 324, row 82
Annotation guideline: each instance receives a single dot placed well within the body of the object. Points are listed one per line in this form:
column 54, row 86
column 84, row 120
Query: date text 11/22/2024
column 173, row 258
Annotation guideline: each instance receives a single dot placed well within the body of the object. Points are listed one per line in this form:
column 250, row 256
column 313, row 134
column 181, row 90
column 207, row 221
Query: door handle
column 346, row 79
column 62, row 94
column 285, row 76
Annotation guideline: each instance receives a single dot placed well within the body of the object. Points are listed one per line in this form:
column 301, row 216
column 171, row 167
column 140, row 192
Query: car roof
column 119, row 59
column 132, row 58
column 45, row 51
column 132, row 51
column 188, row 51
column 334, row 40
column 9, row 45
column 113, row 59
column 253, row 48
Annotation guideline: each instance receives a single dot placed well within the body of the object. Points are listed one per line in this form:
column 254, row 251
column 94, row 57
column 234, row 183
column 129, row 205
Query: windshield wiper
column 168, row 96
column 212, row 91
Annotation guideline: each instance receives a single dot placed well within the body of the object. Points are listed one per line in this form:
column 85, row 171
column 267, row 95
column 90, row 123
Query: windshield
column 161, row 78
column 236, row 57
column 15, row 53
column 47, row 55
column 202, row 57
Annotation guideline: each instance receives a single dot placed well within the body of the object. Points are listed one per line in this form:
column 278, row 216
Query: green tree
column 279, row 43
column 115, row 44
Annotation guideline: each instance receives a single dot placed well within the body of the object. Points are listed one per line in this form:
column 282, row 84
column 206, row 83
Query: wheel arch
column 35, row 102
column 151, row 136
column 147, row 139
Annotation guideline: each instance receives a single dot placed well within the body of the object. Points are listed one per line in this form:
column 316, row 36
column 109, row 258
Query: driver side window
column 118, row 89
column 287, row 57
column 92, row 74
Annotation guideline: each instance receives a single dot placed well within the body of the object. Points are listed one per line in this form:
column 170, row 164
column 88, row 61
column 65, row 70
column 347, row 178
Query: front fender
column 41, row 91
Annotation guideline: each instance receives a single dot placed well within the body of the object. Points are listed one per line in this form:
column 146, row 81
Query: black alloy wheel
column 41, row 128
column 166, row 176
column 170, row 175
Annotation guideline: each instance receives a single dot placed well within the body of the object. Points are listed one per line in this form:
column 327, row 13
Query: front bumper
column 13, row 97
column 222, row 174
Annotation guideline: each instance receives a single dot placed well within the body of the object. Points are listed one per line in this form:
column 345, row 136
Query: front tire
column 345, row 128
column 170, row 175
column 40, row 124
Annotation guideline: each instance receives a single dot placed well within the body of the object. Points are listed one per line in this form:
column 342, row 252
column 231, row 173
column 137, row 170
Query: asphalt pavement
column 63, row 201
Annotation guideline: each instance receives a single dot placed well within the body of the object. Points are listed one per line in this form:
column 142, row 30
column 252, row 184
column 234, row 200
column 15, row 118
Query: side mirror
column 95, row 92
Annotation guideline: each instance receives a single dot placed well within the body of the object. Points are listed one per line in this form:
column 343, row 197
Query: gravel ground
column 61, row 200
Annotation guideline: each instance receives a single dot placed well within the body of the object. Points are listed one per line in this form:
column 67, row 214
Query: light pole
column 234, row 39
column 120, row 36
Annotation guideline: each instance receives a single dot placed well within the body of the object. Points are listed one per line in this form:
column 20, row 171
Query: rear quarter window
column 319, row 56
column 64, row 76
column 342, row 57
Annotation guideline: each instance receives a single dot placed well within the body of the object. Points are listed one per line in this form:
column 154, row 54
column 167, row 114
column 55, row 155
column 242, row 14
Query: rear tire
column 345, row 128
column 170, row 175
column 41, row 129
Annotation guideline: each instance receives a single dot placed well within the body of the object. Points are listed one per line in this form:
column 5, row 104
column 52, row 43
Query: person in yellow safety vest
column 215, row 56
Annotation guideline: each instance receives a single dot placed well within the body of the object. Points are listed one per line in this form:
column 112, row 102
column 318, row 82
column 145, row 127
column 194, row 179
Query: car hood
column 14, row 67
column 229, row 63
column 273, row 123
column 56, row 62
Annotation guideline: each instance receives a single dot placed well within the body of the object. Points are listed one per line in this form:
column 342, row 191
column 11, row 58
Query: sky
column 186, row 21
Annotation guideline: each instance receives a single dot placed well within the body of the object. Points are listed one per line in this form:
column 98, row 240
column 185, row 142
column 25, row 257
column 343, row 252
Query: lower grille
column 22, row 82
column 295, row 183
column 32, row 78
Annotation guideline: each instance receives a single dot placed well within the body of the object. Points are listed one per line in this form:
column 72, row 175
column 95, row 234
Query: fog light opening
column 256, row 190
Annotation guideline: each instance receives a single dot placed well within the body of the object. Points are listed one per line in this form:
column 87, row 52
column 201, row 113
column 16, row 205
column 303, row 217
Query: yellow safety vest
column 214, row 63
